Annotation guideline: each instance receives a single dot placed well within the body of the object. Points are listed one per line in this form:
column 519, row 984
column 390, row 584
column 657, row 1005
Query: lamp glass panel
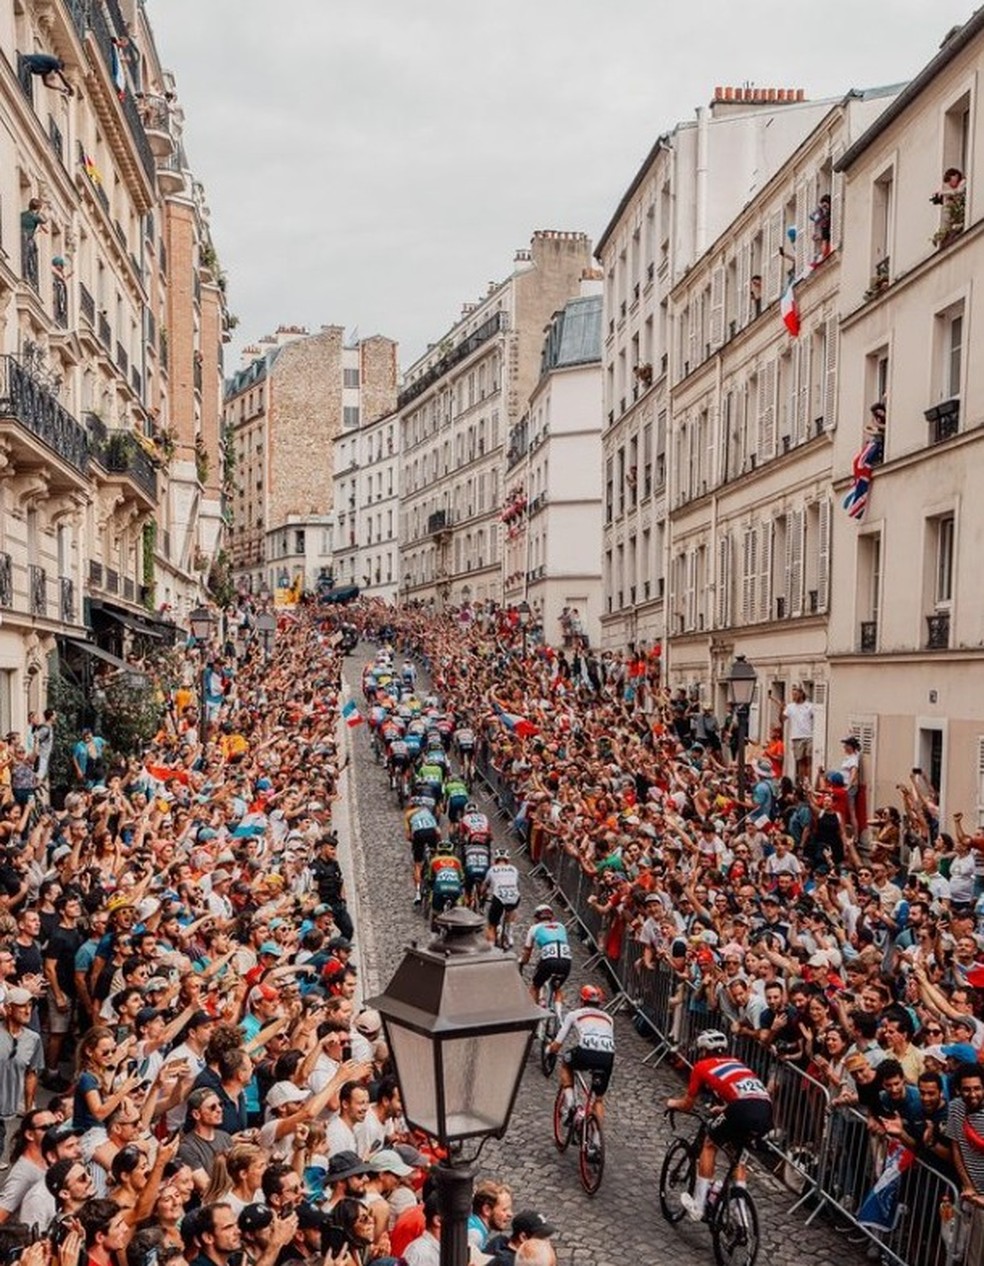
column 480, row 1075
column 413, row 1055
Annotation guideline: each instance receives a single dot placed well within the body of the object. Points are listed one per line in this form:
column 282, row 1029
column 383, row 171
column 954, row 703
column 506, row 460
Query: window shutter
column 724, row 583
column 819, row 735
column 823, row 555
column 716, row 329
column 830, row 376
column 744, row 284
column 836, row 199
column 801, row 428
column 693, row 336
column 803, row 248
column 748, row 577
column 765, row 571
column 980, row 781
column 794, row 539
column 691, row 592
column 865, row 730
column 767, row 411
column 711, row 448
column 773, row 263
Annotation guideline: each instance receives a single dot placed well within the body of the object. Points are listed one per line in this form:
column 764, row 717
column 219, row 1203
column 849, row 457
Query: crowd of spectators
column 186, row 1073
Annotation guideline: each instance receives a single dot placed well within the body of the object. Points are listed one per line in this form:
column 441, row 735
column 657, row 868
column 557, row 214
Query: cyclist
column 423, row 833
column 550, row 937
column 456, row 799
column 475, row 838
column 445, row 877
column 502, row 888
column 464, row 739
column 408, row 675
column 594, row 1049
column 397, row 761
column 744, row 1111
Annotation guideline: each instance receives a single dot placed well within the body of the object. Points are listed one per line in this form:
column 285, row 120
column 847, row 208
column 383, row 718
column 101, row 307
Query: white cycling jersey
column 593, row 1030
column 502, row 879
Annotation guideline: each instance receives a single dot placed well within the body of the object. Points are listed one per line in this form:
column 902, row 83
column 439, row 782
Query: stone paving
column 622, row 1223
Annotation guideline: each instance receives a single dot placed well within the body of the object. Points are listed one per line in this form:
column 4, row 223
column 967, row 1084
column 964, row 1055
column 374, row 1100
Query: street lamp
column 266, row 627
column 202, row 623
column 459, row 1024
column 742, row 681
column 525, row 614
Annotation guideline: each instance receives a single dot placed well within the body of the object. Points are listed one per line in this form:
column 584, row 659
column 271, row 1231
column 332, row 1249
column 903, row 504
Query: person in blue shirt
column 549, row 937
column 763, row 793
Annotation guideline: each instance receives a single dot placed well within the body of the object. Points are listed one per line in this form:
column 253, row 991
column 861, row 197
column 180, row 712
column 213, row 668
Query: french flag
column 789, row 310
column 351, row 714
column 879, row 1209
column 522, row 727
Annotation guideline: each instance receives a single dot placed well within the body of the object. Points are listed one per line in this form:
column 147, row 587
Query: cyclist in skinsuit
column 744, row 1111
column 423, row 834
column 594, row 1050
column 502, row 887
column 550, row 938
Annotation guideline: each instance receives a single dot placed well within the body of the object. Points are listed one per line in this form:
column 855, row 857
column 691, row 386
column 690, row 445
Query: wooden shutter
column 774, row 264
column 804, row 247
column 865, row 730
column 690, row 614
column 830, row 375
column 765, row 571
column 801, row 427
column 823, row 555
column 744, row 284
column 713, row 425
column 749, row 575
column 767, row 411
column 716, row 328
column 724, row 582
column 819, row 732
column 693, row 336
column 795, row 529
column 836, row 199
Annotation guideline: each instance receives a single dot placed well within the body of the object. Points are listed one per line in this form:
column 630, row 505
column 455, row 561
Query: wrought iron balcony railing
column 938, row 631
column 869, row 637
column 26, row 401
column 37, row 581
column 66, row 599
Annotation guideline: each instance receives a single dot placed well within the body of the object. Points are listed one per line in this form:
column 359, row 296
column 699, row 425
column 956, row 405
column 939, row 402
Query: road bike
column 583, row 1125
column 730, row 1210
column 549, row 1026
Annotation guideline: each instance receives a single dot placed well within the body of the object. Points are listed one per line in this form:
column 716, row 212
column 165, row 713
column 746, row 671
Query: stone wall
column 378, row 374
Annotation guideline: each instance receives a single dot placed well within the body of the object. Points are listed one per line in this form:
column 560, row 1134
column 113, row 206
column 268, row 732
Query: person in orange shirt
column 775, row 751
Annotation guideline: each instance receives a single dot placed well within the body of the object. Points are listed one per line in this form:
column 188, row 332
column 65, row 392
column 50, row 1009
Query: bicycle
column 583, row 1125
column 549, row 1027
column 730, row 1212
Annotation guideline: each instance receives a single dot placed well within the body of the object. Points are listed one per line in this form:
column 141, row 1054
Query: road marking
column 353, row 861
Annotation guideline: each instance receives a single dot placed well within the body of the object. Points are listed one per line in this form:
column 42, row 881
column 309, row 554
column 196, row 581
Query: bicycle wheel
column 676, row 1177
column 563, row 1130
column 735, row 1228
column 591, row 1156
column 548, row 1031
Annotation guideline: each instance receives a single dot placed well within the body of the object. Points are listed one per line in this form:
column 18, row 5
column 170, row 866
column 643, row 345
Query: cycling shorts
column 474, row 879
column 441, row 901
column 421, row 841
column 456, row 808
column 598, row 1063
column 555, row 969
column 498, row 908
column 741, row 1121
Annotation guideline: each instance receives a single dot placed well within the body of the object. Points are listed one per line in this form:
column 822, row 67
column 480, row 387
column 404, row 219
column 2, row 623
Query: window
column 956, row 132
column 944, row 533
column 350, row 415
column 869, row 589
column 952, row 331
column 882, row 202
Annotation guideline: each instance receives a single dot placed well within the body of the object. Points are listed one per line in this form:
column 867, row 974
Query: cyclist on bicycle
column 594, row 1049
column 408, row 675
column 445, row 877
column 550, row 937
column 502, row 888
column 423, row 833
column 475, row 839
column 456, row 799
column 397, row 760
column 464, row 740
column 744, row 1111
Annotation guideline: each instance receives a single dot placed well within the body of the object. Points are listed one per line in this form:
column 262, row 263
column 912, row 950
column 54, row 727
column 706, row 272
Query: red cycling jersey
column 728, row 1078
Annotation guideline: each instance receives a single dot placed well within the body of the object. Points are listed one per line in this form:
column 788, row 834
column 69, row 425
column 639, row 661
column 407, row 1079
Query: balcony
column 37, row 589
column 111, row 55
column 944, row 421
column 489, row 329
column 32, row 407
column 170, row 175
column 6, row 580
column 66, row 599
column 438, row 523
column 59, row 298
column 155, row 114
column 122, row 359
column 87, row 305
column 938, row 631
column 121, row 453
column 29, row 262
column 129, row 589
column 56, row 140
column 869, row 637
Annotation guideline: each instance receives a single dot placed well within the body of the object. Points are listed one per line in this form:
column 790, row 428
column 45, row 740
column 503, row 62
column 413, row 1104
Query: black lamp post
column 459, row 1024
column 202, row 623
column 266, row 627
column 742, row 681
column 525, row 615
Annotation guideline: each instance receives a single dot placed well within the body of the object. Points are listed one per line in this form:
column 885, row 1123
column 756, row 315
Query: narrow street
column 622, row 1222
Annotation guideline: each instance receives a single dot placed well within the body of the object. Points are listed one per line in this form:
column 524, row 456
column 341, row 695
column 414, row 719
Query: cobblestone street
column 622, row 1223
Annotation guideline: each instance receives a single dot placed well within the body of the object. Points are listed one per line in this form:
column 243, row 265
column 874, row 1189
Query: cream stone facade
column 86, row 398
column 458, row 404
column 284, row 413
column 691, row 185
column 367, row 502
column 753, row 413
column 551, row 553
column 907, row 607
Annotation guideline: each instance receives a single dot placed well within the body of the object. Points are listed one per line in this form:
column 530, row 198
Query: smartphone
column 333, row 1240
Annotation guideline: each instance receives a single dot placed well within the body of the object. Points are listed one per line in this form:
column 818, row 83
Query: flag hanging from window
column 789, row 310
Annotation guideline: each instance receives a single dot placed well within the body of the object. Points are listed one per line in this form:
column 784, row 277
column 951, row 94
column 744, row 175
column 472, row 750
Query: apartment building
column 284, row 411
column 86, row 407
column 459, row 402
column 907, row 608
column 551, row 551
column 689, row 188
column 753, row 412
column 367, row 507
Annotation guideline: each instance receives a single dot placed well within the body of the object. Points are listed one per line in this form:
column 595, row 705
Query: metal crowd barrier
column 825, row 1153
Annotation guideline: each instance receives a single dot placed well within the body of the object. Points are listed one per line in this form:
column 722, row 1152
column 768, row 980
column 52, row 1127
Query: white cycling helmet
column 711, row 1040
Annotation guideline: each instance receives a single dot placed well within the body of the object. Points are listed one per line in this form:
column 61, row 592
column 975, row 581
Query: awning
column 129, row 621
column 90, row 648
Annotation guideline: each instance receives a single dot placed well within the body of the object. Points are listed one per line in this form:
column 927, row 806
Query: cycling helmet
column 543, row 912
column 471, row 807
column 501, row 852
column 443, row 846
column 591, row 993
column 712, row 1040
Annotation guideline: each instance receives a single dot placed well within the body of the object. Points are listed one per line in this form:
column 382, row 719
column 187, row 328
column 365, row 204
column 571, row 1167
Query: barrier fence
column 824, row 1153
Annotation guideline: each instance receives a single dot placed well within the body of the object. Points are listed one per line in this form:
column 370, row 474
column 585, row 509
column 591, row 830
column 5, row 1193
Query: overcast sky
column 376, row 163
